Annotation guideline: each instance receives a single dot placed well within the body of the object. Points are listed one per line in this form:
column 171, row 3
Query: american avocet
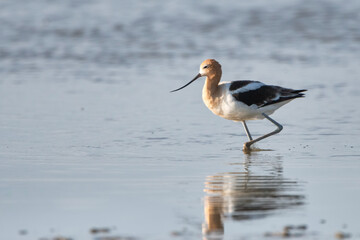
column 242, row 100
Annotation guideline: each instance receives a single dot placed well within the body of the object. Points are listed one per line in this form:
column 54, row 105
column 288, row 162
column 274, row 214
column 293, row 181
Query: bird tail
column 299, row 93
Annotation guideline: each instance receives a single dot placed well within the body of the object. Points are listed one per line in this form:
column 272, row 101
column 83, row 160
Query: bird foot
column 246, row 147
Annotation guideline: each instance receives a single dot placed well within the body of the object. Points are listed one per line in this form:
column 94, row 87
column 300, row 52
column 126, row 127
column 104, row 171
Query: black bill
column 197, row 76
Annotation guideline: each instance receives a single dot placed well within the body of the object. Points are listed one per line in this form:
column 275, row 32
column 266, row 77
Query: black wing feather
column 266, row 95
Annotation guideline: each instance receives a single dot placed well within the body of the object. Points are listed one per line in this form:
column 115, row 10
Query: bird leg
column 247, row 130
column 251, row 142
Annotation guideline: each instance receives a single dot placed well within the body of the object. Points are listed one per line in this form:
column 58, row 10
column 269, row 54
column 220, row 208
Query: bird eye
column 205, row 66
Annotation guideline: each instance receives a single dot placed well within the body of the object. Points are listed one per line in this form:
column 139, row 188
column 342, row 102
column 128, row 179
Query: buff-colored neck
column 212, row 83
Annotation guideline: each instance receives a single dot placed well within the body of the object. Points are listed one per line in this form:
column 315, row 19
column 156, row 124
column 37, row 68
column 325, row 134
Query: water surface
column 93, row 145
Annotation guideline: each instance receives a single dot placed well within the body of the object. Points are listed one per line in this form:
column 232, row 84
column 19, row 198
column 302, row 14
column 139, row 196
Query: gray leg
column 247, row 130
column 279, row 128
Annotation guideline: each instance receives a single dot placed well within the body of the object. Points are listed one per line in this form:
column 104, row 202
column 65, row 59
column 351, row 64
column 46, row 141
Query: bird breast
column 213, row 100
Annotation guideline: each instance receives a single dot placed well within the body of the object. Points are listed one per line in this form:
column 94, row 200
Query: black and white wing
column 260, row 94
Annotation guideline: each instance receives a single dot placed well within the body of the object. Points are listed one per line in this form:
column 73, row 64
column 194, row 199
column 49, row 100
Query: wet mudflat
column 93, row 145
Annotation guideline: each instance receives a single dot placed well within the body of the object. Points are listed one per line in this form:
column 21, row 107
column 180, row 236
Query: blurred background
column 93, row 145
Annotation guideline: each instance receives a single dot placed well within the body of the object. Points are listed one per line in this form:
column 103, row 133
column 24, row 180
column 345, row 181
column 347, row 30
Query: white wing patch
column 248, row 87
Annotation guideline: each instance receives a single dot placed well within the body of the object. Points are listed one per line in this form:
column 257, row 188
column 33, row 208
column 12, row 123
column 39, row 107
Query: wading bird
column 242, row 100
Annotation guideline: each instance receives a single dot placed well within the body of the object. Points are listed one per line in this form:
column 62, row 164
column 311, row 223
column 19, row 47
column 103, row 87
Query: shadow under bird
column 241, row 101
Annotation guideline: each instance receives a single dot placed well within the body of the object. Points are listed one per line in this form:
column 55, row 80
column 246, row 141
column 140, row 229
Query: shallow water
column 93, row 145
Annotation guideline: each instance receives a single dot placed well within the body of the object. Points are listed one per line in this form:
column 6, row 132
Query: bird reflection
column 245, row 194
